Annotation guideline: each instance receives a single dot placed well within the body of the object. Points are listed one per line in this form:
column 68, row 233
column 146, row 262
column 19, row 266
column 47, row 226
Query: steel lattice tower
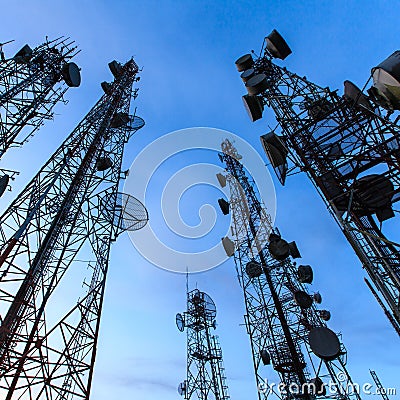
column 379, row 385
column 30, row 88
column 349, row 146
column 281, row 317
column 48, row 349
column 205, row 371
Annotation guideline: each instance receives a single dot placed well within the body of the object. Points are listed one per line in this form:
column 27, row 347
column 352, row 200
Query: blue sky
column 187, row 50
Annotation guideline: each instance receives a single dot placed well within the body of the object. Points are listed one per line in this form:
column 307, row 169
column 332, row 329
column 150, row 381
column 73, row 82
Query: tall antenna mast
column 73, row 204
column 286, row 329
column 379, row 385
column 348, row 145
column 31, row 84
column 205, row 378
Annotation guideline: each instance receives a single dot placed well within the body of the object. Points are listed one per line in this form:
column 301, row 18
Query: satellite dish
column 71, row 74
column 180, row 322
column 253, row 269
column 386, row 77
column 136, row 123
column 355, row 95
column 203, row 305
column 324, row 343
column 318, row 387
column 4, row 180
column 265, row 357
column 244, row 62
column 107, row 87
column 23, row 55
column 257, row 84
column 224, row 206
column 305, row 274
column 103, row 163
column 278, row 248
column 303, row 299
column 214, row 324
column 115, row 68
column 294, row 251
column 375, row 191
column 119, row 120
column 325, row 315
column 229, row 246
column 317, row 298
column 246, row 75
column 276, row 152
column 253, row 106
column 277, row 45
column 124, row 211
column 182, row 388
column 221, row 179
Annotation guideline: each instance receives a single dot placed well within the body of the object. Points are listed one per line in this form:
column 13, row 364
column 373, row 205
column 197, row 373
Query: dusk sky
column 187, row 50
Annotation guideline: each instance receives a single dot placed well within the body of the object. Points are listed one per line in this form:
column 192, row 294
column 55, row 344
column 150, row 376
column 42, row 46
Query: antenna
column 31, row 84
column 69, row 204
column 205, row 377
column 381, row 389
column 340, row 158
column 285, row 326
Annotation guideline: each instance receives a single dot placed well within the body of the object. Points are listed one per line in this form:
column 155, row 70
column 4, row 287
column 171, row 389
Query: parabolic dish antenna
column 71, row 74
column 180, row 322
column 124, row 211
column 324, row 343
column 244, row 62
column 4, row 183
column 203, row 305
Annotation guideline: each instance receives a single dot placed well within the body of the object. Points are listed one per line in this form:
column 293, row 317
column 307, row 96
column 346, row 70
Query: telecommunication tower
column 30, row 87
column 73, row 204
column 205, row 378
column 349, row 146
column 379, row 385
column 285, row 327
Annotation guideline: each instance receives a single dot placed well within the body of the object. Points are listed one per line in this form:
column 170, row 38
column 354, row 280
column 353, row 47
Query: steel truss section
column 277, row 326
column 30, row 88
column 339, row 142
column 71, row 205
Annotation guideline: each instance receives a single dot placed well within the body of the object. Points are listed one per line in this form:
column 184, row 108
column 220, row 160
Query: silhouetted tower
column 379, row 386
column 205, row 371
column 348, row 145
column 48, row 344
column 30, row 87
column 286, row 329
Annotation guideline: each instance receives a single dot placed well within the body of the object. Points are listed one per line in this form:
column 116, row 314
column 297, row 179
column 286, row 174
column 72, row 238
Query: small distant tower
column 379, row 385
column 287, row 330
column 205, row 371
column 349, row 147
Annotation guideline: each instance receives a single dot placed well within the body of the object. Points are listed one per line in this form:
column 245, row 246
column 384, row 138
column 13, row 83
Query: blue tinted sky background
column 187, row 50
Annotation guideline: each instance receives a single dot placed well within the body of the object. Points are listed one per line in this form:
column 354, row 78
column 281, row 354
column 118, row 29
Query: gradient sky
column 187, row 50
